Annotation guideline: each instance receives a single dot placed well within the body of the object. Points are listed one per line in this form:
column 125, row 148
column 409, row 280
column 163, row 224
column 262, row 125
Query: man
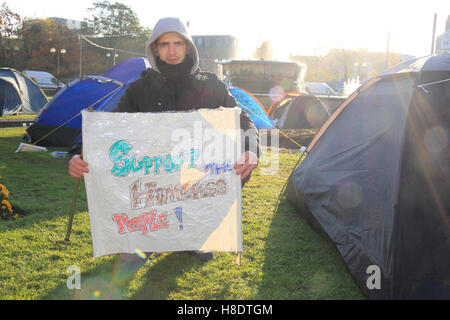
column 175, row 83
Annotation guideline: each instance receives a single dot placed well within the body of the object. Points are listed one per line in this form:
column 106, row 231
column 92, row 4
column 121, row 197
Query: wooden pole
column 74, row 199
column 72, row 208
column 433, row 38
column 239, row 259
column 81, row 55
column 387, row 50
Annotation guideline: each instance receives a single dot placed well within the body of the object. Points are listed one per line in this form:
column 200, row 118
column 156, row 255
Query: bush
column 6, row 210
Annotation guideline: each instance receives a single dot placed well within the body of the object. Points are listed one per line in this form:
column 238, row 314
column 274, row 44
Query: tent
column 376, row 180
column 255, row 110
column 59, row 123
column 304, row 111
column 19, row 94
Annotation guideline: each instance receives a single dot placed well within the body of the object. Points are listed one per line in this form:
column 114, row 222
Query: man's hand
column 77, row 167
column 246, row 164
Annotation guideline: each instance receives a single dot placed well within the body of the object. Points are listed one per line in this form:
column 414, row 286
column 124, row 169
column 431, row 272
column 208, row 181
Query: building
column 265, row 79
column 443, row 41
column 215, row 48
column 71, row 24
column 262, row 76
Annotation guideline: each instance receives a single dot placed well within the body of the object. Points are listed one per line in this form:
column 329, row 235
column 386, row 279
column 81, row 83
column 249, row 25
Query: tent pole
column 72, row 209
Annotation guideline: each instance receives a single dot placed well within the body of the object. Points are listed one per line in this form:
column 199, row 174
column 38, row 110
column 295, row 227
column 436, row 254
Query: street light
column 62, row 52
column 114, row 56
column 359, row 66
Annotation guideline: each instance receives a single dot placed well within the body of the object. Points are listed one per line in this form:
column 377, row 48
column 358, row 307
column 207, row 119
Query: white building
column 443, row 41
column 71, row 24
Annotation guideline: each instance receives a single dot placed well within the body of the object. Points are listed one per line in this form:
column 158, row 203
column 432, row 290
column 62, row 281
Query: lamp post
column 359, row 66
column 62, row 52
column 114, row 55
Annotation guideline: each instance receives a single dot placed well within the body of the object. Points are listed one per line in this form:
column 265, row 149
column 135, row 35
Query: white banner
column 163, row 181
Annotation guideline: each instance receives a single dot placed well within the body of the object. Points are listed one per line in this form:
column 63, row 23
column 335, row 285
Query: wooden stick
column 72, row 209
column 239, row 259
column 74, row 198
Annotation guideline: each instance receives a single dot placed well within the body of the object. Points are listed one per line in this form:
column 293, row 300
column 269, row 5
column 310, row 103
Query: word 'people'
column 143, row 223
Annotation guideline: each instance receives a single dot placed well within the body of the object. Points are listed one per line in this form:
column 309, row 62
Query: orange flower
column 8, row 206
column 4, row 191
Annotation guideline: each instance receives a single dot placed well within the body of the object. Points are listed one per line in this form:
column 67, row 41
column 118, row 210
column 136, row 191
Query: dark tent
column 376, row 180
column 19, row 94
column 59, row 123
column 305, row 111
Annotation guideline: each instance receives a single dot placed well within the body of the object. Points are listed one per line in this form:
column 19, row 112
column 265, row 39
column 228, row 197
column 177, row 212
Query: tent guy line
column 110, row 49
column 302, row 148
column 89, row 108
column 421, row 86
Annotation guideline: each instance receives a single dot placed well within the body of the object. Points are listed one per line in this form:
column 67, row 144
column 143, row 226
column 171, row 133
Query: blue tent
column 59, row 123
column 248, row 103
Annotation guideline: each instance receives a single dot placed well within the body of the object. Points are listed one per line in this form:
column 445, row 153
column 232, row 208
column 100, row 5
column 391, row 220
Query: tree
column 340, row 65
column 10, row 24
column 38, row 36
column 114, row 25
column 112, row 19
column 264, row 52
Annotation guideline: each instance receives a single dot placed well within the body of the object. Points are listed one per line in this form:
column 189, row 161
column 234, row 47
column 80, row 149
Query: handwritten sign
column 163, row 181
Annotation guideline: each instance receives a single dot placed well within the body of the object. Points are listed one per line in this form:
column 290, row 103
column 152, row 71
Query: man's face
column 171, row 48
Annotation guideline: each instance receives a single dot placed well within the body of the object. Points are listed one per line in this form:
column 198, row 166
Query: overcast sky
column 301, row 27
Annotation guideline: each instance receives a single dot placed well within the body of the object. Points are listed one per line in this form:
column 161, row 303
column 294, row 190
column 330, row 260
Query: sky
column 294, row 26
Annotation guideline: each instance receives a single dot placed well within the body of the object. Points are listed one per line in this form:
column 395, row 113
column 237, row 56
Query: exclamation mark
column 178, row 211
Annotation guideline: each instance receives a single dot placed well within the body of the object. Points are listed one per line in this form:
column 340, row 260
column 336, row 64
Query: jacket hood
column 165, row 25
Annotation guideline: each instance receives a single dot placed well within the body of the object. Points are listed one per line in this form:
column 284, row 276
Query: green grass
column 19, row 116
column 283, row 257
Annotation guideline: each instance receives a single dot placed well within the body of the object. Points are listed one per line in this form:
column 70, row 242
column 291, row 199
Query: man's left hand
column 246, row 164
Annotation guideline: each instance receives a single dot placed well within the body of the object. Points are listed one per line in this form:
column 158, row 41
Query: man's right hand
column 77, row 167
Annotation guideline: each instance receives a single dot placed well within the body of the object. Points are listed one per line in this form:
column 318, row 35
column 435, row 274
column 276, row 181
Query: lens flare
column 276, row 92
column 98, row 287
column 286, row 84
column 436, row 139
column 141, row 253
column 349, row 195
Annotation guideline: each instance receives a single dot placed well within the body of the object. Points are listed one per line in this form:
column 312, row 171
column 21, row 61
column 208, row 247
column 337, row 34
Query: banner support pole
column 72, row 209
column 74, row 198
column 239, row 259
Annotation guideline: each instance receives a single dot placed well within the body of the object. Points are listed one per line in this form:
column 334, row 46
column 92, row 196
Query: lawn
column 283, row 257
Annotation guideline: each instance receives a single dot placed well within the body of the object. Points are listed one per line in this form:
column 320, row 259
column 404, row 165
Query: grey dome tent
column 305, row 111
column 19, row 94
column 376, row 181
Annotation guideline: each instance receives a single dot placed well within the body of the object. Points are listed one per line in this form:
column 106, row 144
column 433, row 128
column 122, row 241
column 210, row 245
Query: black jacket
column 152, row 92
column 202, row 90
